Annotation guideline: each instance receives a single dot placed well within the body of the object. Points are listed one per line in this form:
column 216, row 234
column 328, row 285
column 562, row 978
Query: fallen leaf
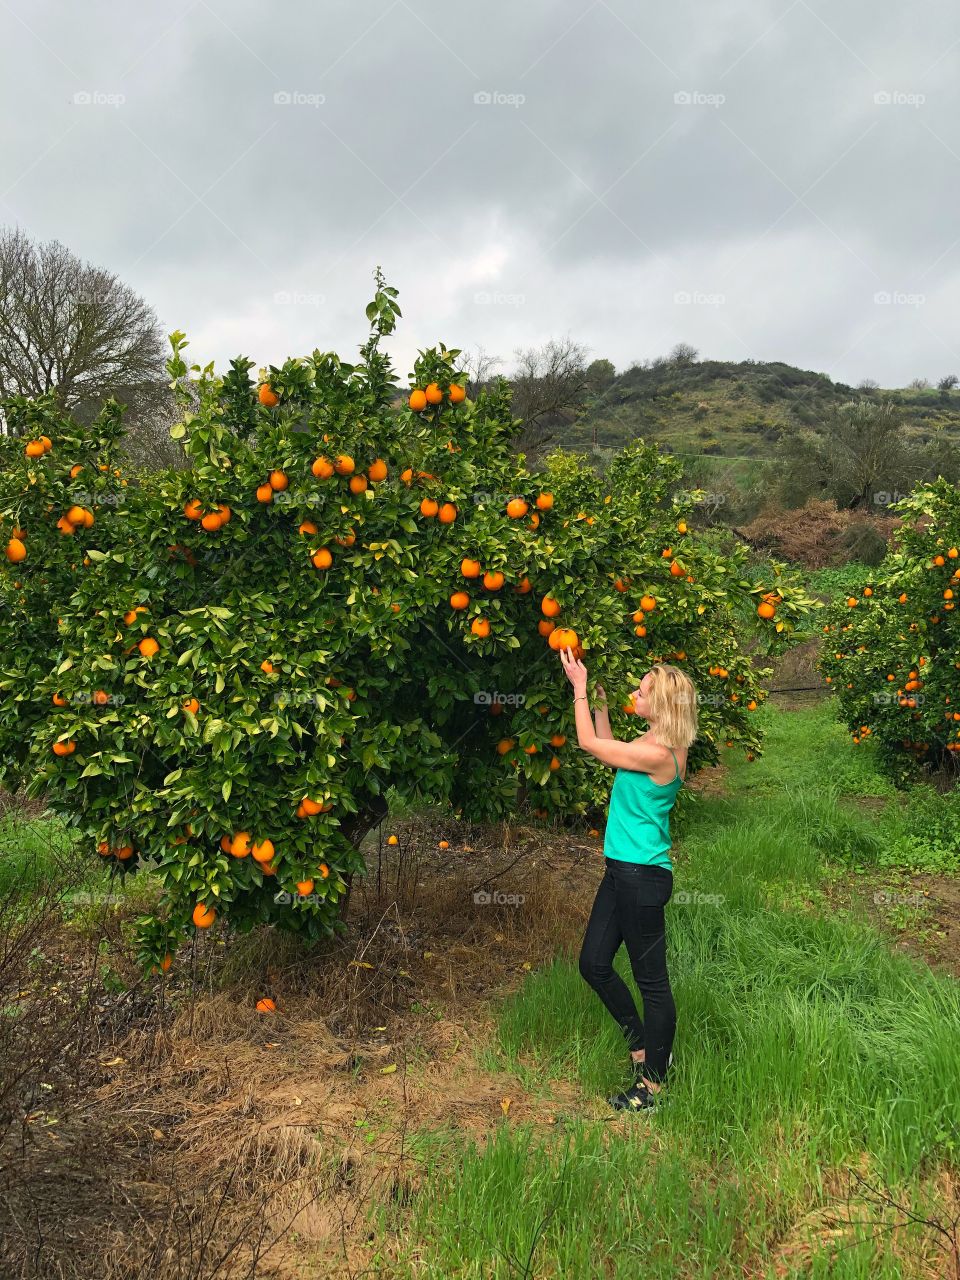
column 427, row 955
column 114, row 1062
column 298, row 1102
column 403, row 973
column 504, row 1105
column 158, row 1135
column 386, row 1071
column 271, row 1044
column 379, row 1028
column 361, row 964
column 525, row 965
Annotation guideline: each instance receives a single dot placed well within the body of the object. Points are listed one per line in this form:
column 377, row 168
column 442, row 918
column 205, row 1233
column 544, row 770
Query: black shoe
column 637, row 1098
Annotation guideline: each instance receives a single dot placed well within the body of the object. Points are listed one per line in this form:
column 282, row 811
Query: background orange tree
column 348, row 588
column 892, row 650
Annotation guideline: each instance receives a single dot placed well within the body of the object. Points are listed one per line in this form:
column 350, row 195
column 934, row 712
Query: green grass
column 804, row 1044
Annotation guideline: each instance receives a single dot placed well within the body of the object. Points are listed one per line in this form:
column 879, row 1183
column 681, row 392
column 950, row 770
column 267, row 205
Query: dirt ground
column 183, row 1135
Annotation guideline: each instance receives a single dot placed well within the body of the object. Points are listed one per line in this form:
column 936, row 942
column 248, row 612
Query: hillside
column 724, row 409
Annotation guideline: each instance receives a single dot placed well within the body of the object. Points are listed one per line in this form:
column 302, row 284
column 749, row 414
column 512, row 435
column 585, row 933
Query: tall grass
column 805, row 1047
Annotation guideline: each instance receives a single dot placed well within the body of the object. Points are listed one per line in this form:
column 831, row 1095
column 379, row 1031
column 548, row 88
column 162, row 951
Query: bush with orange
column 280, row 672
column 891, row 650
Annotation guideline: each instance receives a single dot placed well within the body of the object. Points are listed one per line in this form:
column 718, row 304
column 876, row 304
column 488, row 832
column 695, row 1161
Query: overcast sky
column 773, row 179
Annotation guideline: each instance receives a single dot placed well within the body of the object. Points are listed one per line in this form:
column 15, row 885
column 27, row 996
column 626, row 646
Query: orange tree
column 349, row 587
column 891, row 650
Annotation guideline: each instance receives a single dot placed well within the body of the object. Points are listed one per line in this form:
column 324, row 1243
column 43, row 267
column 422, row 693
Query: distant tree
column 684, row 354
column 919, row 384
column 600, row 374
column 548, row 388
column 479, row 366
column 948, row 383
column 856, row 451
column 868, row 384
column 72, row 328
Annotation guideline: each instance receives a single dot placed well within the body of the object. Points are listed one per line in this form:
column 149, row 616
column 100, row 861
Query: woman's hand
column 576, row 671
column 601, row 696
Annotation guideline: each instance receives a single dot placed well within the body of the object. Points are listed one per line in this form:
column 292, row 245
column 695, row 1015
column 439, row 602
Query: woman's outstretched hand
column 601, row 696
column 576, row 671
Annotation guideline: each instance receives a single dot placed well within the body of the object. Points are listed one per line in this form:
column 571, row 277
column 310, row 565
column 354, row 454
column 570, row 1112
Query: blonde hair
column 673, row 705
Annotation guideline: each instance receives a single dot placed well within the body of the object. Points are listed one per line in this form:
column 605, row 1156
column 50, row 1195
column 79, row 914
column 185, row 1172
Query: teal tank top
column 638, row 821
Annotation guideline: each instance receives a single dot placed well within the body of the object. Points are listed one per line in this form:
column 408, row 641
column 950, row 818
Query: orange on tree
column 493, row 579
column 16, row 551
column 544, row 501
column 549, row 607
column 321, row 558
column 480, row 627
column 322, row 468
column 418, row 400
column 343, row 464
column 377, row 470
column 278, row 481
column 470, row 568
column 447, row 513
column 148, row 647
column 267, row 396
column 433, row 393
column 265, row 492
column 459, row 600
column 457, row 393
column 516, row 508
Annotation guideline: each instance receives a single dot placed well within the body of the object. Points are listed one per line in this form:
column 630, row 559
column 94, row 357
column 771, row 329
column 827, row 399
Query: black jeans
column 629, row 908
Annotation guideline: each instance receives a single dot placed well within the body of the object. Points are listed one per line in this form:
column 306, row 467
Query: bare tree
column 76, row 329
column 548, row 388
column 479, row 366
column 948, row 383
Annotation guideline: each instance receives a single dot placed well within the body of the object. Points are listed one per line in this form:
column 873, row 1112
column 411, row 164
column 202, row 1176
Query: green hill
column 723, row 409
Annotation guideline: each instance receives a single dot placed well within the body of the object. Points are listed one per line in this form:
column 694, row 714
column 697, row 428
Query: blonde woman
column 638, row 873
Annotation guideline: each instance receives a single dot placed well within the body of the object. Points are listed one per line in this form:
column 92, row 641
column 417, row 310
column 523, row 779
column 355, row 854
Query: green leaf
column 226, row 789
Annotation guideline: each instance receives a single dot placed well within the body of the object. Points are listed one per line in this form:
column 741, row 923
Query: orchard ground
column 428, row 1097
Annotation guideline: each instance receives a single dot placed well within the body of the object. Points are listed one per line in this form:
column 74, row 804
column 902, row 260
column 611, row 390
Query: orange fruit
column 64, row 748
column 278, row 481
column 554, row 764
column 59, row 700
column 225, row 842
column 358, row 484
column 203, row 916
column 16, row 551
column 523, row 586
column 124, row 852
column 545, row 502
column 392, row 840
column 321, row 559
column 211, row 522
column 621, row 585
column 191, row 705
column 166, row 962
column 428, row 507
column 677, row 570
column 322, row 468
column 264, row 493
column 75, row 515
column 346, row 540
column 266, row 666
column 766, row 610
column 266, row 395
column 65, row 527
column 301, row 812
column 148, row 647
column 240, row 844
column 457, row 393
column 459, row 600
column 343, row 464
column 480, row 627
column 75, row 471
column 640, row 631
column 549, row 607
column 470, row 568
column 448, row 513
column 100, row 698
column 558, row 740
column 545, row 627
column 304, row 888
column 263, row 851
column 505, row 745
column 493, row 580
column 417, row 401
column 34, row 449
column 310, row 807
column 307, row 527
column 517, row 508
column 433, row 393
column 407, row 475
column 377, row 471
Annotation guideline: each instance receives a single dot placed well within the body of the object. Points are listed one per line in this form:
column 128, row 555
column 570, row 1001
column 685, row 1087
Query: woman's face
column 639, row 696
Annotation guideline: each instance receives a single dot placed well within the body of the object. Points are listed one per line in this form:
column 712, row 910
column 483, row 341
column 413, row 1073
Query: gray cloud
column 767, row 180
